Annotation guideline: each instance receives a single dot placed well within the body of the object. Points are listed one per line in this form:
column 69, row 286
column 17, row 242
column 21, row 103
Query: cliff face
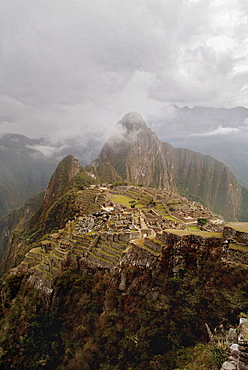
column 16, row 220
column 203, row 178
column 139, row 157
column 136, row 154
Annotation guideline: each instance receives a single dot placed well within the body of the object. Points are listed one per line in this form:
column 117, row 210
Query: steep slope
column 60, row 203
column 209, row 131
column 24, row 171
column 204, row 179
column 136, row 154
column 17, row 219
column 105, row 173
column 139, row 157
column 65, row 171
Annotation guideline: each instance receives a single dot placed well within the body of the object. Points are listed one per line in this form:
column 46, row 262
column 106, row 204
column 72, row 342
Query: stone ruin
column 237, row 342
column 113, row 234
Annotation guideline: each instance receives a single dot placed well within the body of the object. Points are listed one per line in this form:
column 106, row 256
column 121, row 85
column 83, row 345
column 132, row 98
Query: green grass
column 36, row 250
column 172, row 218
column 238, row 247
column 193, row 228
column 124, row 200
column 204, row 234
column 239, row 226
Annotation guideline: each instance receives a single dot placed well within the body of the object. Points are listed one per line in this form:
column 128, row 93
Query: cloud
column 46, row 150
column 220, row 130
column 74, row 68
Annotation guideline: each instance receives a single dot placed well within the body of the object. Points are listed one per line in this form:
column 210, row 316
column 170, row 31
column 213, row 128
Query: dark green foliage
column 192, row 179
column 107, row 174
column 12, row 286
column 118, row 183
column 133, row 203
column 32, row 340
column 202, row 222
column 93, row 325
column 81, row 181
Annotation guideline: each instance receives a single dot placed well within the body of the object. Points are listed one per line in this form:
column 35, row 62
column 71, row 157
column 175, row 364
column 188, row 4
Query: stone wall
column 186, row 251
column 237, row 256
column 239, row 236
column 138, row 256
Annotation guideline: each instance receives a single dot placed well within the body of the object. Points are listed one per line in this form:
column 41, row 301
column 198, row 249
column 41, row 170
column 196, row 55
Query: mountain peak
column 132, row 121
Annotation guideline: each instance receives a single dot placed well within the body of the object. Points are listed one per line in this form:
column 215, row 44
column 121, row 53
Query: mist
column 71, row 69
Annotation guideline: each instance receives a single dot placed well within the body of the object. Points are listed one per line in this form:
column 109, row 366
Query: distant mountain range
column 219, row 132
column 24, row 171
column 27, row 164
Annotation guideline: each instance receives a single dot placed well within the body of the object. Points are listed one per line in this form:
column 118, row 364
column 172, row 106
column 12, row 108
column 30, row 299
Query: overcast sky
column 71, row 68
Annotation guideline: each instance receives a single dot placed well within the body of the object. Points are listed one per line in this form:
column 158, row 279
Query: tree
column 132, row 203
column 201, row 222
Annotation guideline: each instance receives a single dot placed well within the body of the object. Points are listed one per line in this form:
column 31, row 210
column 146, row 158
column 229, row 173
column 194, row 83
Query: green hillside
column 23, row 171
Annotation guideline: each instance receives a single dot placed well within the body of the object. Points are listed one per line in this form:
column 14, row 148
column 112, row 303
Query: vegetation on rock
column 92, row 324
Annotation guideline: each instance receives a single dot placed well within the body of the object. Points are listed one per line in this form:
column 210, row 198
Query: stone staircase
column 161, row 208
column 53, row 262
column 108, row 251
column 90, row 200
column 83, row 243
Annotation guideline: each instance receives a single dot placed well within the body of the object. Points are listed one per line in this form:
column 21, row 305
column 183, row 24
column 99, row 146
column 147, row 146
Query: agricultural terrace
column 204, row 234
column 238, row 226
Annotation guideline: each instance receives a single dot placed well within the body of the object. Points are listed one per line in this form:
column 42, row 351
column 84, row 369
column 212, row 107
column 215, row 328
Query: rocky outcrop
column 237, row 256
column 107, row 173
column 237, row 231
column 110, row 264
column 236, row 341
column 184, row 250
